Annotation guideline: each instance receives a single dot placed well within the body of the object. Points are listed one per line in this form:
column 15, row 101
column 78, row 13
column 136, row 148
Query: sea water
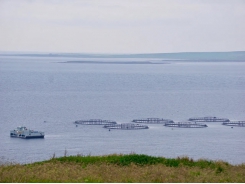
column 47, row 94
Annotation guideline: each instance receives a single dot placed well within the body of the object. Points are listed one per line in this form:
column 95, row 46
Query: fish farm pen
column 209, row 119
column 126, row 126
column 235, row 123
column 153, row 121
column 186, row 125
column 95, row 122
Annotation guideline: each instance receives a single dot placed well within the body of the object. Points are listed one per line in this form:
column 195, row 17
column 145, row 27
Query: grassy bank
column 123, row 168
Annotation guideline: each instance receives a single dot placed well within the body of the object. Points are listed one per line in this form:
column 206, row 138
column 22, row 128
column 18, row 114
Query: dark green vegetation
column 123, row 168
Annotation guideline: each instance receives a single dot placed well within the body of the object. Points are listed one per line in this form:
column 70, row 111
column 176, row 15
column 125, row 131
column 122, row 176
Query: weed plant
column 123, row 169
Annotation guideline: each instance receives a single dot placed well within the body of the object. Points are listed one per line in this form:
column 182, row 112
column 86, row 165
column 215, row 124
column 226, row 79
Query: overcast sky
column 122, row 26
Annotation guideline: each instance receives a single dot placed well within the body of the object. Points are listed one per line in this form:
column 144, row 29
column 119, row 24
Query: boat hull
column 34, row 137
column 28, row 137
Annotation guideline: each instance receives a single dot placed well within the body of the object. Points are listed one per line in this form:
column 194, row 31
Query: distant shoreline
column 117, row 62
column 192, row 56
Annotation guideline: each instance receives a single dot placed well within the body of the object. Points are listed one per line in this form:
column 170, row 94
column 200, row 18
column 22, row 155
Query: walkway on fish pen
column 186, row 125
column 235, row 123
column 95, row 122
column 209, row 119
column 126, row 126
column 153, row 121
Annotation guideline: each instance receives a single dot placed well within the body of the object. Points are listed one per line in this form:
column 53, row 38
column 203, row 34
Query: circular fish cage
column 153, row 121
column 186, row 125
column 126, row 126
column 95, row 122
column 209, row 119
column 235, row 123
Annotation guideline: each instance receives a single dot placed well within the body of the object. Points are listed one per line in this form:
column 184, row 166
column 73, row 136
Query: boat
column 24, row 133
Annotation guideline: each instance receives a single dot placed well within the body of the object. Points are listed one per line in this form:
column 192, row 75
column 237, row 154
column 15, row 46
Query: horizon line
column 106, row 53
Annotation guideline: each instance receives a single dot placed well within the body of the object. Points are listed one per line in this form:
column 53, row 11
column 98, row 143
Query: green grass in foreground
column 123, row 168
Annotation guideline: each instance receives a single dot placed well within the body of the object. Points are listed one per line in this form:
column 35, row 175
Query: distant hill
column 193, row 56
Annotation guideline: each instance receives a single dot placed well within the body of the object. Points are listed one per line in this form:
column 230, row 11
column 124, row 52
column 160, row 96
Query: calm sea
column 47, row 95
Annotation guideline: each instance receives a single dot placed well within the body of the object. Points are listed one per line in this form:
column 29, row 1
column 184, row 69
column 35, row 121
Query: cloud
column 122, row 26
column 94, row 11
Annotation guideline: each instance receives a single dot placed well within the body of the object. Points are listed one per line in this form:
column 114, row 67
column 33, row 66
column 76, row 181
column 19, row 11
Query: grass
column 122, row 169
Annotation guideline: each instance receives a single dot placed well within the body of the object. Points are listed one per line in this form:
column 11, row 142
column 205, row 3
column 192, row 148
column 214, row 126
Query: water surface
column 45, row 94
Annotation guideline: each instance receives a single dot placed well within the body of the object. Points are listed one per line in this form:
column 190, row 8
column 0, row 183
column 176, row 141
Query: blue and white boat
column 24, row 133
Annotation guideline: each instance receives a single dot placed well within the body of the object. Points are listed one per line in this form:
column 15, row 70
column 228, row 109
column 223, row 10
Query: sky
column 122, row 26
